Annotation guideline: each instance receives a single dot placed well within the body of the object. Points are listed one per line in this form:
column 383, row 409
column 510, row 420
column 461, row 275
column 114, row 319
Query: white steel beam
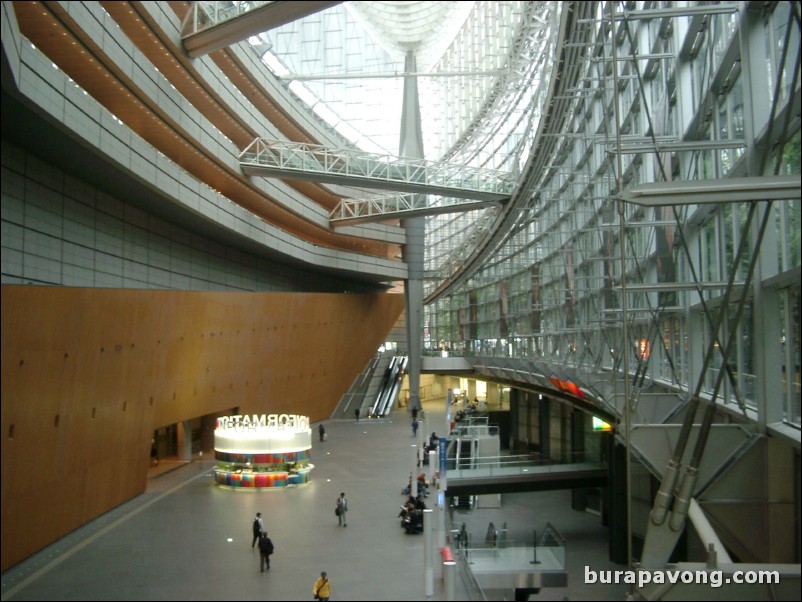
column 210, row 26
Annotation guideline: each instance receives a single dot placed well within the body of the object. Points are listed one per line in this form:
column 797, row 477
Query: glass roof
column 479, row 67
column 347, row 61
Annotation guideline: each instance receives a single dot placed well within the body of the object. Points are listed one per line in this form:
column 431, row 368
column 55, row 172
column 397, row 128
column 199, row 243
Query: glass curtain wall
column 660, row 93
column 699, row 96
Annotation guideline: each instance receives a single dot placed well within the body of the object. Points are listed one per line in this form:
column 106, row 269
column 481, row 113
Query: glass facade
column 697, row 99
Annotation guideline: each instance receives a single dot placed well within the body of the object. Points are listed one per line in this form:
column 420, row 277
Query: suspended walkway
column 509, row 474
column 351, row 167
column 349, row 212
column 210, row 26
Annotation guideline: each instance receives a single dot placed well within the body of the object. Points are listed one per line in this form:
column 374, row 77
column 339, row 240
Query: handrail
column 519, row 460
column 469, row 581
column 532, row 469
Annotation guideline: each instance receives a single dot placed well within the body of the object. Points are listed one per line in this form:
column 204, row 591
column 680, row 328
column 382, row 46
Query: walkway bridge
column 462, row 187
column 349, row 212
column 210, row 26
column 509, row 474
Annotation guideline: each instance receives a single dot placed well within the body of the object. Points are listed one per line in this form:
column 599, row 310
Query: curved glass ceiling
column 346, row 63
column 480, row 86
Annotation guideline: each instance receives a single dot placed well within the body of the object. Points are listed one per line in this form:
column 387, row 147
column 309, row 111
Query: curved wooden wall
column 87, row 374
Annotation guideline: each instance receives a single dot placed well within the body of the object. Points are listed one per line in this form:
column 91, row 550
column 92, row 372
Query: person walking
column 265, row 550
column 321, row 430
column 414, row 427
column 258, row 527
column 322, row 588
column 342, row 509
column 356, row 413
column 154, row 453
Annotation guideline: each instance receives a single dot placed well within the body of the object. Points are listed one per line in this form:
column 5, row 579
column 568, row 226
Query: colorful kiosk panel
column 262, row 451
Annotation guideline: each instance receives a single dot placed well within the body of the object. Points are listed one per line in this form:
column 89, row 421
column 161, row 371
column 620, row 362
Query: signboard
column 271, row 422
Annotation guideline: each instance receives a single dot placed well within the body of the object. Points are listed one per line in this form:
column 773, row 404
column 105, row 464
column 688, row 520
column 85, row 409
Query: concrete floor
column 187, row 539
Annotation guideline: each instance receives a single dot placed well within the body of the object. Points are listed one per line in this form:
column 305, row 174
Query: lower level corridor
column 188, row 539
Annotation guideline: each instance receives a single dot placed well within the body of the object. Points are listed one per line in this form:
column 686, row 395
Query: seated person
column 423, row 486
column 408, row 489
column 405, row 510
column 414, row 524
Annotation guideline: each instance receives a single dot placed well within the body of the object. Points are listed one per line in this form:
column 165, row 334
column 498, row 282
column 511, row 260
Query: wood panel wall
column 88, row 373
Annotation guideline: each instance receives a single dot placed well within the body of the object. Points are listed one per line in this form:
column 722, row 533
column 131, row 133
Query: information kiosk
column 262, row 451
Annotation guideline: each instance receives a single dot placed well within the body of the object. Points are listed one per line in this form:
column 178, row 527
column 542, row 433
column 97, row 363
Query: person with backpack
column 341, row 509
column 265, row 550
column 258, row 527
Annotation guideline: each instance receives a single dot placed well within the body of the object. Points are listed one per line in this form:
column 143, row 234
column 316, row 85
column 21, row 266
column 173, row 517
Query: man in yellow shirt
column 322, row 589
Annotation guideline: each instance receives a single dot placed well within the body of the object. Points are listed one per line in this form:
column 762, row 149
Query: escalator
column 358, row 394
column 465, row 459
column 391, row 384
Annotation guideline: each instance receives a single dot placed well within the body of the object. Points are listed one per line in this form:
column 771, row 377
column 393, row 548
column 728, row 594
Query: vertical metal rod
column 624, row 329
column 534, row 548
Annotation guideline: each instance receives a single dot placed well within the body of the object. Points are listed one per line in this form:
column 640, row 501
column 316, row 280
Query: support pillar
column 616, row 488
column 184, row 440
column 471, row 390
column 428, row 552
column 449, row 399
column 450, row 574
column 493, row 396
column 411, row 145
column 544, row 426
column 579, row 496
column 441, row 525
column 413, row 473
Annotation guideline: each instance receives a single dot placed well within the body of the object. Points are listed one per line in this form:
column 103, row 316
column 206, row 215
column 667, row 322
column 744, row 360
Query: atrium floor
column 187, row 539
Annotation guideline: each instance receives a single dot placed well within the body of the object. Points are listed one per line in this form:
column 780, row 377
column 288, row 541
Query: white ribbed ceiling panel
column 425, row 27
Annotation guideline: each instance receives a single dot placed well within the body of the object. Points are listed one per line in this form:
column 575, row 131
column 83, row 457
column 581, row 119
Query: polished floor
column 187, row 539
